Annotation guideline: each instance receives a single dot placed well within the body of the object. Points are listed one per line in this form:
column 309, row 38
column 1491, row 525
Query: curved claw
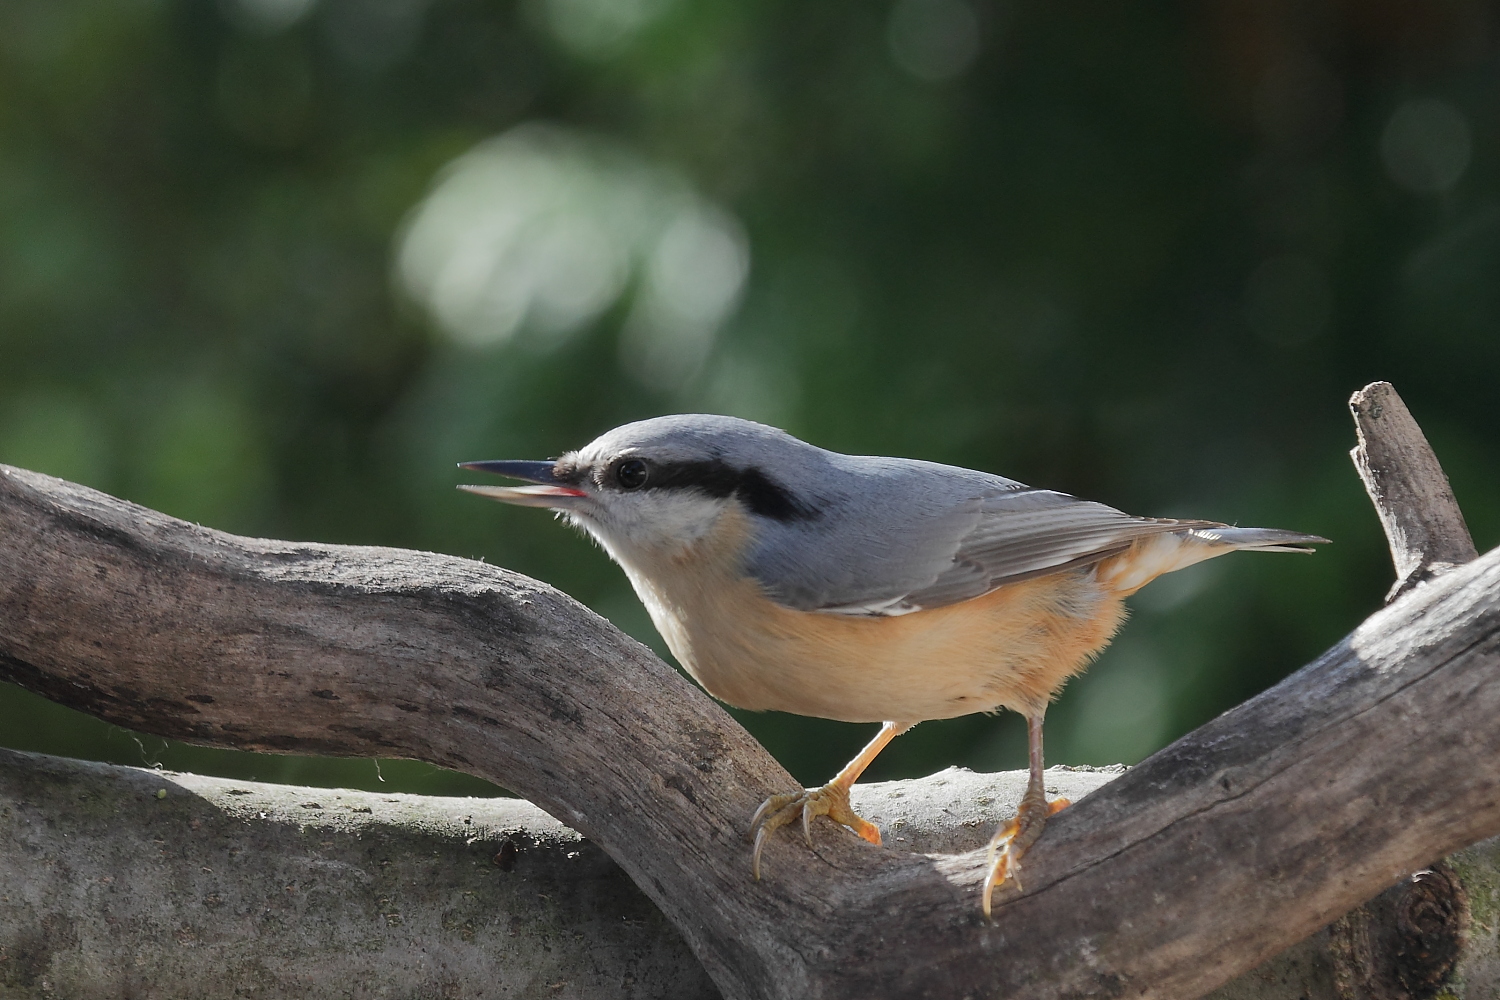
column 1002, row 838
column 1012, row 841
column 775, row 802
column 760, row 840
column 832, row 800
column 767, row 819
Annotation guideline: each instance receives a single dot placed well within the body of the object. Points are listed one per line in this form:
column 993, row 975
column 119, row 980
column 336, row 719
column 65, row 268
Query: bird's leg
column 832, row 800
column 1013, row 839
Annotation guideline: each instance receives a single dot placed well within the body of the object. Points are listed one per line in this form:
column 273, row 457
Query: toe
column 1011, row 843
column 840, row 811
column 777, row 811
column 1004, row 836
column 770, row 807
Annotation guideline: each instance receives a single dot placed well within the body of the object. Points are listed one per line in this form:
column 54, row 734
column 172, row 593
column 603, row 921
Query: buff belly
column 1013, row 647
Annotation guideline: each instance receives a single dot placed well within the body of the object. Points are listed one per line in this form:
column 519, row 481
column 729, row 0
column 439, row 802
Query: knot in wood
column 1431, row 921
column 1405, row 943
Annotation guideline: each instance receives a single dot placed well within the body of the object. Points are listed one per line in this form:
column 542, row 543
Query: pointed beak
column 548, row 492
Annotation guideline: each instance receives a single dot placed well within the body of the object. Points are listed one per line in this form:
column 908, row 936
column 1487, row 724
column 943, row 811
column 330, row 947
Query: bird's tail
column 1148, row 558
column 1259, row 539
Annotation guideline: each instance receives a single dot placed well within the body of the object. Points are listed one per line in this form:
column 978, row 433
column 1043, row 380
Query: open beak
column 547, row 493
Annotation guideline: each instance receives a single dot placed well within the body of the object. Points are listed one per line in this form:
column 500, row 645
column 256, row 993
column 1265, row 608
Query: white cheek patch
column 681, row 515
column 652, row 521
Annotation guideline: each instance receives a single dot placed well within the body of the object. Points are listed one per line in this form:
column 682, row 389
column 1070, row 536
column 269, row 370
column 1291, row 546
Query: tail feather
column 1260, row 539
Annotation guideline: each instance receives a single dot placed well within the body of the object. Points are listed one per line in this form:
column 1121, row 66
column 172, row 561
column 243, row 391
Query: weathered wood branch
column 1407, row 485
column 123, row 881
column 1374, row 760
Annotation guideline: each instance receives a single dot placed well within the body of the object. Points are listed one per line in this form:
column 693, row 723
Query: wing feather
column 1025, row 533
column 895, row 536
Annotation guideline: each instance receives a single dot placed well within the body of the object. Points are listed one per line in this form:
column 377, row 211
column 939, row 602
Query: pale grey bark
column 122, row 882
column 119, row 882
column 1232, row 844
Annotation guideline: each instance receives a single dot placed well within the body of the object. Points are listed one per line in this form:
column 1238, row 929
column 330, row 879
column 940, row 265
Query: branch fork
column 1376, row 759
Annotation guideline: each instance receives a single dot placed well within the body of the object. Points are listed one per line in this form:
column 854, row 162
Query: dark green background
column 1138, row 252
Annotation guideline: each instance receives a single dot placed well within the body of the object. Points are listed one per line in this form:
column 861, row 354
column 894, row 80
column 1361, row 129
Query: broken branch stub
column 1410, row 491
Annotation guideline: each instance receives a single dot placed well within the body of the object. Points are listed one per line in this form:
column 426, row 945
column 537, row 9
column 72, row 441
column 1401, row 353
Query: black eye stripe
column 762, row 494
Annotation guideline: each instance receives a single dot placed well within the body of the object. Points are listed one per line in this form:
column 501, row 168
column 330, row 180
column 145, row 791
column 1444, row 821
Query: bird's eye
column 631, row 474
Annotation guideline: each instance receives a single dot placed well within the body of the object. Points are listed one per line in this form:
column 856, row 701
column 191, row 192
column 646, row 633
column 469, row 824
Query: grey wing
column 1027, row 533
column 902, row 536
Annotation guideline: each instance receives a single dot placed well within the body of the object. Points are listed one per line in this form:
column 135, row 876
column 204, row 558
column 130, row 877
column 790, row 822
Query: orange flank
column 1013, row 647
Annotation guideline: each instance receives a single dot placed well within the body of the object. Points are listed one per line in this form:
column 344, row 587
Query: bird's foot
column 832, row 800
column 1014, row 839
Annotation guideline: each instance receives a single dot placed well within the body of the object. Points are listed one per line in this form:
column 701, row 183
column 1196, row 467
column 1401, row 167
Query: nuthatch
column 783, row 576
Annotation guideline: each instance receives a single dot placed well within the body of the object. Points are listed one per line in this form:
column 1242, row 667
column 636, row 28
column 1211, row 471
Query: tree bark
column 121, row 881
column 1422, row 520
column 1238, row 840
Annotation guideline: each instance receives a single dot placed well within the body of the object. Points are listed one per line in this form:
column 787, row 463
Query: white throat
column 641, row 532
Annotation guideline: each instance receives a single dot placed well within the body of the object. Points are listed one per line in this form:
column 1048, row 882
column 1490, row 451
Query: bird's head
column 655, row 486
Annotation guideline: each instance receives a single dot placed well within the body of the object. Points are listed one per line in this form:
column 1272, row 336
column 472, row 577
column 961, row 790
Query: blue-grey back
column 868, row 535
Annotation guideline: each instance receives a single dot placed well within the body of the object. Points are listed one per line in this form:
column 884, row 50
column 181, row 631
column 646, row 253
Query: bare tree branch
column 1410, row 491
column 122, row 881
column 1235, row 842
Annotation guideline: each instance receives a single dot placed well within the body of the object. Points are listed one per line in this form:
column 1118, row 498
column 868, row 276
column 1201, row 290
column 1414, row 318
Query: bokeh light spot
column 692, row 282
column 933, row 40
column 265, row 16
column 1426, row 146
column 541, row 230
column 599, row 27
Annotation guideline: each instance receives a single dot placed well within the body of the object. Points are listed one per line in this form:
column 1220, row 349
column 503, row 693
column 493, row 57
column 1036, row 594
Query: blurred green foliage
column 1138, row 252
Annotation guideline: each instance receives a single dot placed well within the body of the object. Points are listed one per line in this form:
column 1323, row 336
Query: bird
column 867, row 589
